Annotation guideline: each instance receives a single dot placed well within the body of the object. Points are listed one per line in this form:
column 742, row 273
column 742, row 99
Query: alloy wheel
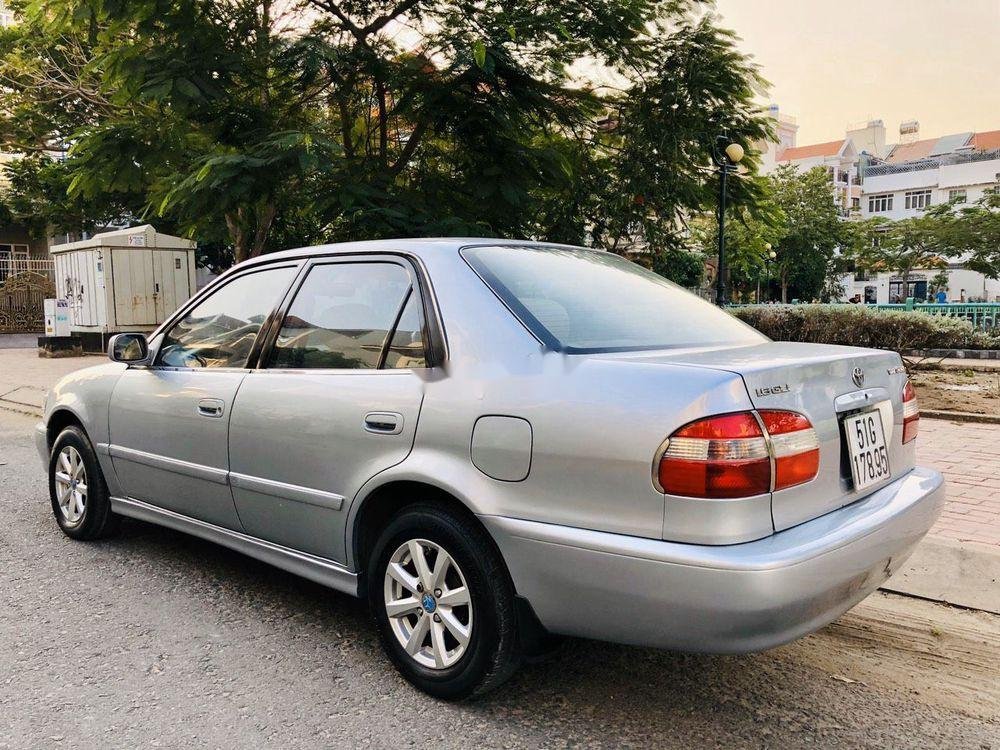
column 71, row 485
column 428, row 604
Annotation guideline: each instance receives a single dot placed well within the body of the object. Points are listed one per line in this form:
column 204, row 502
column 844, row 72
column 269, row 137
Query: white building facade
column 900, row 190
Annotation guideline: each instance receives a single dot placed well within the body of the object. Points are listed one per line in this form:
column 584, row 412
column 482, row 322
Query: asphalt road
column 155, row 639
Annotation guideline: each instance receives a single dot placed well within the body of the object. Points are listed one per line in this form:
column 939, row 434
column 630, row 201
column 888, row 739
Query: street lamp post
column 726, row 160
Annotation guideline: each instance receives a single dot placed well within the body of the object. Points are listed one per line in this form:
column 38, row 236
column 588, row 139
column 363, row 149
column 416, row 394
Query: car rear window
column 580, row 301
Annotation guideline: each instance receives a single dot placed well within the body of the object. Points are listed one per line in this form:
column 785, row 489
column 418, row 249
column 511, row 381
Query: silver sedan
column 501, row 442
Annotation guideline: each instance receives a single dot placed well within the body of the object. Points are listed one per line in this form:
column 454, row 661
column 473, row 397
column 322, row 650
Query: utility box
column 124, row 280
column 56, row 317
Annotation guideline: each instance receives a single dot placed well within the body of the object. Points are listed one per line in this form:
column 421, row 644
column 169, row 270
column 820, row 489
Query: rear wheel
column 77, row 489
column 443, row 603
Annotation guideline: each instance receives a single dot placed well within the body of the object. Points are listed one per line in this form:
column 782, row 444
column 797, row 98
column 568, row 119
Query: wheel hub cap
column 428, row 603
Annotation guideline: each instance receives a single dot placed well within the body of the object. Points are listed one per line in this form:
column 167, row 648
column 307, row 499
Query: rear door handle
column 384, row 422
column 211, row 407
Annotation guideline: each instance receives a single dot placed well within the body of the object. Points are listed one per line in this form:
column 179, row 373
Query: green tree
column 37, row 198
column 973, row 233
column 257, row 125
column 751, row 234
column 903, row 246
column 812, row 232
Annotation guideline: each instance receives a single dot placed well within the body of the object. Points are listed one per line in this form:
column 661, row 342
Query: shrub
column 857, row 325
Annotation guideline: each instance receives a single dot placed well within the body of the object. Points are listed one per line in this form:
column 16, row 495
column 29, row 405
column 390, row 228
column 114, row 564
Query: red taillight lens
column 727, row 456
column 724, row 456
column 795, row 446
column 911, row 413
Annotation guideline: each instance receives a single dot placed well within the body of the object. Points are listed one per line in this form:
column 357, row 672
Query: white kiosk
column 123, row 280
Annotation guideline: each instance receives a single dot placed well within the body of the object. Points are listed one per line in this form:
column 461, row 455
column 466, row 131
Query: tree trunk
column 265, row 218
column 249, row 230
column 784, row 287
column 234, row 223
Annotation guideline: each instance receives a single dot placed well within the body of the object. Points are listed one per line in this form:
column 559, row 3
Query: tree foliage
column 812, row 230
column 794, row 213
column 262, row 125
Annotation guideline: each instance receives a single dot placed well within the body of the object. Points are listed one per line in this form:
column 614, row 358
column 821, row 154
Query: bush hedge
column 857, row 325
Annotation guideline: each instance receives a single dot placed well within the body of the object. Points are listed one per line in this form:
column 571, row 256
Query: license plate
column 866, row 447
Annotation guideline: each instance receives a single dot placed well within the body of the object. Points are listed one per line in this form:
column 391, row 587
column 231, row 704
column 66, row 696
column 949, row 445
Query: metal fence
column 980, row 314
column 13, row 266
column 25, row 283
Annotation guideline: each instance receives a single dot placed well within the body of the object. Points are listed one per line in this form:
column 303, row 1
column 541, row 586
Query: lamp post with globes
column 726, row 160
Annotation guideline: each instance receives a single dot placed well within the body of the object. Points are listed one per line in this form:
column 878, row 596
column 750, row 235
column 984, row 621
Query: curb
column 960, row 416
column 964, row 574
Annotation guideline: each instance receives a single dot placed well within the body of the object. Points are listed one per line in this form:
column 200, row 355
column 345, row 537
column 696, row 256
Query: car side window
column 406, row 349
column 343, row 315
column 220, row 330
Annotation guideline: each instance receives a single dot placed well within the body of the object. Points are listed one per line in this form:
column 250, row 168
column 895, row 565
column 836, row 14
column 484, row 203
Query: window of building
column 918, row 199
column 958, row 196
column 343, row 315
column 856, row 204
column 879, row 203
column 221, row 330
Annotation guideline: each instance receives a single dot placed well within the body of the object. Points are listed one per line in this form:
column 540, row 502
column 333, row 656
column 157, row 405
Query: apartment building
column 917, row 174
column 841, row 158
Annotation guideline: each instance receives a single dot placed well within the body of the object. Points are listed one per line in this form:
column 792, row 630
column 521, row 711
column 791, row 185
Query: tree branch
column 409, row 148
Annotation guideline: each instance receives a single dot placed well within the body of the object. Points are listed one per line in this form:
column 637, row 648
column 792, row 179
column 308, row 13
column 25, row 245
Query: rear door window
column 345, row 316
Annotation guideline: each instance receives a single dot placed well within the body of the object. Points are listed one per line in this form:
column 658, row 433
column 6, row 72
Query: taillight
column 795, row 447
column 727, row 456
column 911, row 413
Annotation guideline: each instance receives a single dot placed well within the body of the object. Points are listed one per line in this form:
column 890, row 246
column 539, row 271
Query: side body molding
column 272, row 488
column 187, row 468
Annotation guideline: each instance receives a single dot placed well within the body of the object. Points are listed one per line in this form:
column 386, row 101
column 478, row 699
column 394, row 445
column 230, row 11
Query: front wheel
column 80, row 498
column 443, row 603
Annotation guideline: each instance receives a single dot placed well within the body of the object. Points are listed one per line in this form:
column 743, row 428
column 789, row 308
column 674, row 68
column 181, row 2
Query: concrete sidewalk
column 25, row 377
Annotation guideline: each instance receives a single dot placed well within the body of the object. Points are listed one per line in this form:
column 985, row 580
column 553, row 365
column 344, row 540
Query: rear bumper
column 726, row 599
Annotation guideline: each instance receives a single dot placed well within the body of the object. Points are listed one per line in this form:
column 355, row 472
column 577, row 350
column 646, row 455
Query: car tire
column 79, row 494
column 440, row 664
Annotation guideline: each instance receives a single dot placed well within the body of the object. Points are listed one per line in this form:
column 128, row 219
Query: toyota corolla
column 496, row 442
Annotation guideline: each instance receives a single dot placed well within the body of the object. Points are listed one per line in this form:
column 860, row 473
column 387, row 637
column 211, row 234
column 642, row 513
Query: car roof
column 415, row 246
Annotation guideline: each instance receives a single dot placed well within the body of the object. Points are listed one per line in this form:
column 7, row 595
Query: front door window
column 221, row 330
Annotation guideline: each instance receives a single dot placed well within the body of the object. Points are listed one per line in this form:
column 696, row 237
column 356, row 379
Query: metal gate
column 24, row 287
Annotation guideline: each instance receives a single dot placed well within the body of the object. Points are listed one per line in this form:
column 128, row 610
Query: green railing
column 980, row 314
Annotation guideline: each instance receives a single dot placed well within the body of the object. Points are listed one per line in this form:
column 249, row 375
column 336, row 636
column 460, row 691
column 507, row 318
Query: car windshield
column 581, row 301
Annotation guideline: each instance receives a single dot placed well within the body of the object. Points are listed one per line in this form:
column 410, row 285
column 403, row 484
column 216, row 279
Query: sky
column 832, row 63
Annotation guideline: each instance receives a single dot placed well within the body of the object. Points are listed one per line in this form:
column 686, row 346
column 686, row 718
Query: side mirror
column 128, row 348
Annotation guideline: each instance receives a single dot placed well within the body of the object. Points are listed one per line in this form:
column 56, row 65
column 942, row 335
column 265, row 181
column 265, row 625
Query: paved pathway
column 25, row 377
column 969, row 456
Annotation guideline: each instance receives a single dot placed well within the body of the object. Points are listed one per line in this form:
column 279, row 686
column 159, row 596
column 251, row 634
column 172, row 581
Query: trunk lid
column 822, row 383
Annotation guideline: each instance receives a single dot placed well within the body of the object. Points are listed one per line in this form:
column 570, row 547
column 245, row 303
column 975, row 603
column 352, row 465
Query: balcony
column 880, row 170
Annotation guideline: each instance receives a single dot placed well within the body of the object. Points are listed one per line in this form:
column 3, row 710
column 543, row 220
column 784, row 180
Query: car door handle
column 211, row 407
column 384, row 422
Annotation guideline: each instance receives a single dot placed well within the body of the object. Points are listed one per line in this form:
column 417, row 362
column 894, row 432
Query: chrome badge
column 858, row 376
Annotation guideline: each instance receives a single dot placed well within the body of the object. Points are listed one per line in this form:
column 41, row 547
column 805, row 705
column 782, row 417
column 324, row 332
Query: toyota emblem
column 858, row 376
